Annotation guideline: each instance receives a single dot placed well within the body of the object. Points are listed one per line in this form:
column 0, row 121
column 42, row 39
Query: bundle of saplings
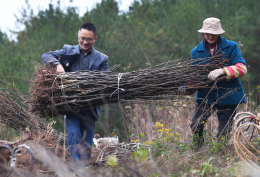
column 53, row 93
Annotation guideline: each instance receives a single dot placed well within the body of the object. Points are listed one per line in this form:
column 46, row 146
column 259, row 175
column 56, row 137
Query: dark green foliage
column 158, row 27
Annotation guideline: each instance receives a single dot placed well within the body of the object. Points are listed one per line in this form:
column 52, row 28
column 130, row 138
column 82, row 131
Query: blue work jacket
column 68, row 54
column 222, row 92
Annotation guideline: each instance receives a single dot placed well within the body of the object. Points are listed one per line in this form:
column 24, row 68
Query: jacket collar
column 93, row 56
column 76, row 49
column 223, row 44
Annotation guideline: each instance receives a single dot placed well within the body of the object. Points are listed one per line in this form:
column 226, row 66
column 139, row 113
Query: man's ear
column 95, row 38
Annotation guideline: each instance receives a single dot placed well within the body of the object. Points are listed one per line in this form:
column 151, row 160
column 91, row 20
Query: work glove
column 213, row 75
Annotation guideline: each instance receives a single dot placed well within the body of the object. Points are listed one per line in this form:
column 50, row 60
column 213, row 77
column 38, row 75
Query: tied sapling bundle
column 14, row 113
column 53, row 94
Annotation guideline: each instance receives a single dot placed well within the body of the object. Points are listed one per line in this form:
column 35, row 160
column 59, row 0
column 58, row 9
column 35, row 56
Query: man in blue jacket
column 81, row 125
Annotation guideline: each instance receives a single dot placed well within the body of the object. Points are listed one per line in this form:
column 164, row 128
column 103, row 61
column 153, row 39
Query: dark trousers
column 203, row 111
column 81, row 128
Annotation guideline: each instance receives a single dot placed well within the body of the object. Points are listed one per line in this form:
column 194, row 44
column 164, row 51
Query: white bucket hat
column 212, row 26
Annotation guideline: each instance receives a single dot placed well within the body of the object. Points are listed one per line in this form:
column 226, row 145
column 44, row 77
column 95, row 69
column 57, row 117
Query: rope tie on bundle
column 118, row 78
column 62, row 87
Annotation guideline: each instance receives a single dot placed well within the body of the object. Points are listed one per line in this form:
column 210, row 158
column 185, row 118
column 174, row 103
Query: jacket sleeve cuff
column 191, row 91
column 56, row 63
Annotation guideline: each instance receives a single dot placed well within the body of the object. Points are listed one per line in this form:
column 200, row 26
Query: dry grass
column 164, row 129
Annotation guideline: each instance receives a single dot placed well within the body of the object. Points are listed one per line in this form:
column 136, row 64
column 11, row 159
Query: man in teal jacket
column 227, row 94
column 81, row 125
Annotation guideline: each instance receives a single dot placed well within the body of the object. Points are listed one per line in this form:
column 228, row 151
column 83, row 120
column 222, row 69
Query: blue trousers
column 81, row 128
column 203, row 111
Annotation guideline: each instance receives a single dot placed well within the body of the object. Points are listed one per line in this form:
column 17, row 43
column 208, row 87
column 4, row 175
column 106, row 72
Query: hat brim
column 211, row 31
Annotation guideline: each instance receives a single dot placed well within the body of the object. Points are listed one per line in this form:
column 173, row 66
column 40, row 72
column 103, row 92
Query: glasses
column 86, row 39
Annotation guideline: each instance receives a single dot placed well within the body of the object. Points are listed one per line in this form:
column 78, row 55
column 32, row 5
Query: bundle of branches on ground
column 121, row 150
column 14, row 113
column 53, row 94
column 26, row 155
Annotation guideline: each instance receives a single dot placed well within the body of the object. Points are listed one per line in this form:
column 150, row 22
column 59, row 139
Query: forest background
column 162, row 30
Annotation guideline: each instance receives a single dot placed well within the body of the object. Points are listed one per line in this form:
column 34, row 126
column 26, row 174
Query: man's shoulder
column 102, row 55
column 68, row 46
column 71, row 49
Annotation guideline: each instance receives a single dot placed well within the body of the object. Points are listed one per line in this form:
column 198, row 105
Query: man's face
column 86, row 39
column 211, row 38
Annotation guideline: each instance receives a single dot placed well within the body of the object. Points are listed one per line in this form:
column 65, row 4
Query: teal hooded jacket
column 228, row 92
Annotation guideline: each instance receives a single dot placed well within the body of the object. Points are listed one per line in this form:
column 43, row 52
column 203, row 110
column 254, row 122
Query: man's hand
column 60, row 69
column 213, row 75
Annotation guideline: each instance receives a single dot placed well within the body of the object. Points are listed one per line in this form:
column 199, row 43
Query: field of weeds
column 163, row 145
